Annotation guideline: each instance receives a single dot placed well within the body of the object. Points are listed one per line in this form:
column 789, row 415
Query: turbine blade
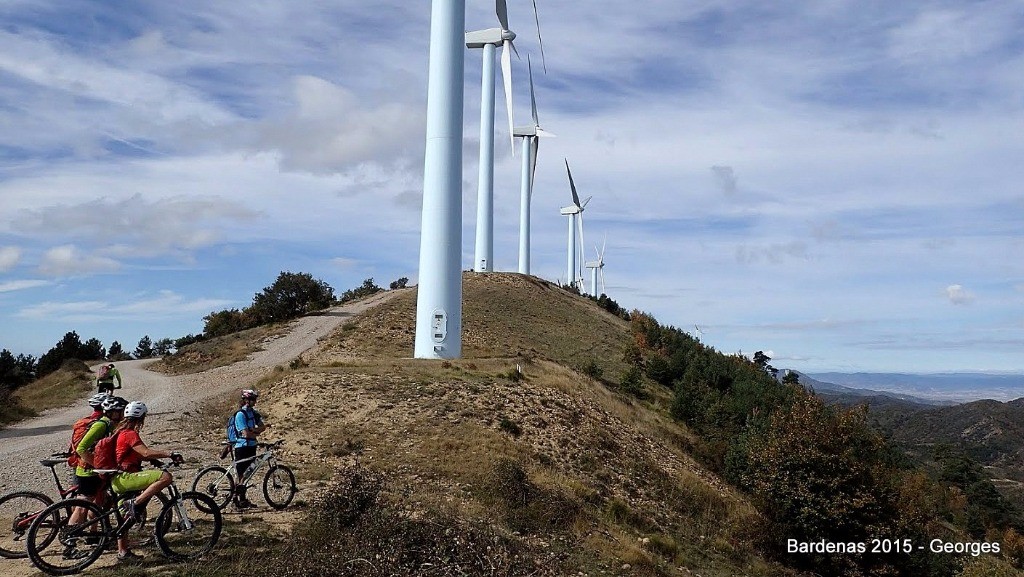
column 545, row 134
column 572, row 185
column 533, row 96
column 506, row 76
column 603, row 245
column 584, row 205
column 540, row 41
column 534, row 147
column 501, row 9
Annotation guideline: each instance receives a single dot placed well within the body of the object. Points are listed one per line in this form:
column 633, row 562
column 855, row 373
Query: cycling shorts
column 125, row 482
column 89, row 487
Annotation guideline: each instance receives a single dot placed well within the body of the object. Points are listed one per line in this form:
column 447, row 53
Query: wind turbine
column 531, row 136
column 597, row 269
column 575, row 214
column 488, row 40
column 439, row 297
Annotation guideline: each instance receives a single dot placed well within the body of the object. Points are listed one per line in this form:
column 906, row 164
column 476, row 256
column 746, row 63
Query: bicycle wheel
column 77, row 546
column 143, row 533
column 17, row 511
column 279, row 486
column 216, row 483
column 188, row 527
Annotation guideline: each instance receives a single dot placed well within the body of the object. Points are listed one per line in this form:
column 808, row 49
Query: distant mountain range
column 931, row 389
column 922, row 412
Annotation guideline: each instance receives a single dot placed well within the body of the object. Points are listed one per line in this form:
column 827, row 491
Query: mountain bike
column 20, row 508
column 219, row 483
column 187, row 527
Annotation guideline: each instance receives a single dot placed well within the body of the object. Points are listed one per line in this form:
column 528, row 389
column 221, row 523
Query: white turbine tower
column 531, row 136
column 597, row 269
column 575, row 214
column 439, row 297
column 488, row 40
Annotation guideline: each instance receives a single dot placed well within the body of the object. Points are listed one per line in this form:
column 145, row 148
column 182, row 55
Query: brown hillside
column 569, row 472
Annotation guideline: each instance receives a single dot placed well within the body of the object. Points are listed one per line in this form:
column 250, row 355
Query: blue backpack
column 232, row 430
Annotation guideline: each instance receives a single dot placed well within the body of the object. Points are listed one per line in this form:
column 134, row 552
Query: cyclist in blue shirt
column 249, row 424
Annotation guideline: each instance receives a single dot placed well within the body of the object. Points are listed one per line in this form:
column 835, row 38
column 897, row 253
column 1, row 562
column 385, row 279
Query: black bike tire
column 46, row 502
column 99, row 515
column 139, row 530
column 291, row 490
column 164, row 521
column 213, row 492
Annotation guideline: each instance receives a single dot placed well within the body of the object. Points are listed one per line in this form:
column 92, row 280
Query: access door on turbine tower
column 439, row 326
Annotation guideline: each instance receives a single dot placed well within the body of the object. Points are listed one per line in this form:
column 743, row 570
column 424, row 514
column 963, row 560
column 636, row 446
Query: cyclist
column 80, row 428
column 249, row 424
column 96, row 402
column 90, row 484
column 131, row 451
column 105, row 379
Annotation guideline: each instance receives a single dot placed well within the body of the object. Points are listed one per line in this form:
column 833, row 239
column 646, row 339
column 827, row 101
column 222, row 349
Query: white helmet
column 136, row 410
column 96, row 401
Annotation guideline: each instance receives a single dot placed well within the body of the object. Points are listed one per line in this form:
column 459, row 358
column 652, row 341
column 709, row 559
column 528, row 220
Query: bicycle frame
column 258, row 461
column 22, row 523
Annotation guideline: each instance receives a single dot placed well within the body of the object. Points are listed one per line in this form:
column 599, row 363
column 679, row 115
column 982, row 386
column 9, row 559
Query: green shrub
column 592, row 370
column 632, row 382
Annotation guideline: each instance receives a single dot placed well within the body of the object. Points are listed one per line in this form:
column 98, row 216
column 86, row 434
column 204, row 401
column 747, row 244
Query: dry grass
column 217, row 352
column 57, row 389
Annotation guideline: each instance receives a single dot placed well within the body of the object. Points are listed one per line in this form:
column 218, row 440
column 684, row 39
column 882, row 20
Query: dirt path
column 22, row 445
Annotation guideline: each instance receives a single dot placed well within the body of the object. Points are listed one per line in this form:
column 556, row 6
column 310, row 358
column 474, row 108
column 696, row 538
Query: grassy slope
column 216, row 352
column 56, row 389
column 607, row 470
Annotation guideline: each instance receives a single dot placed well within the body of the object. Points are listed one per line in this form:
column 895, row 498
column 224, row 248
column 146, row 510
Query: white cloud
column 333, row 130
column 162, row 305
column 136, row 226
column 9, row 257
column 958, row 295
column 17, row 285
column 68, row 260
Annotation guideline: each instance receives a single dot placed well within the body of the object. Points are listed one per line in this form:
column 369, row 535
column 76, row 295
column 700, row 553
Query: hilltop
column 543, row 467
column 532, row 455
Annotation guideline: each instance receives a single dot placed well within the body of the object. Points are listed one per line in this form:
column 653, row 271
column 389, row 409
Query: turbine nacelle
column 567, row 210
column 481, row 38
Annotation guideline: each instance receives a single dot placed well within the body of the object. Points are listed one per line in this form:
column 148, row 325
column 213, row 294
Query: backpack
column 232, row 430
column 103, row 372
column 104, row 454
column 78, row 431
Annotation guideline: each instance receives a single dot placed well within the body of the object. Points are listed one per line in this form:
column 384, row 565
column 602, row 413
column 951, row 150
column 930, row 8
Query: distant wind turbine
column 575, row 214
column 597, row 269
column 531, row 136
column 488, row 40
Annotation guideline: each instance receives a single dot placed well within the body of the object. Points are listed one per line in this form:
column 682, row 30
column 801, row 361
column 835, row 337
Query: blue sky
column 836, row 183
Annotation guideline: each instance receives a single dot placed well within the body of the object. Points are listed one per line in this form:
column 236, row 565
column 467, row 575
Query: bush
column 632, row 382
column 366, row 289
column 510, row 427
column 592, row 370
column 357, row 529
column 291, row 296
column 225, row 322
